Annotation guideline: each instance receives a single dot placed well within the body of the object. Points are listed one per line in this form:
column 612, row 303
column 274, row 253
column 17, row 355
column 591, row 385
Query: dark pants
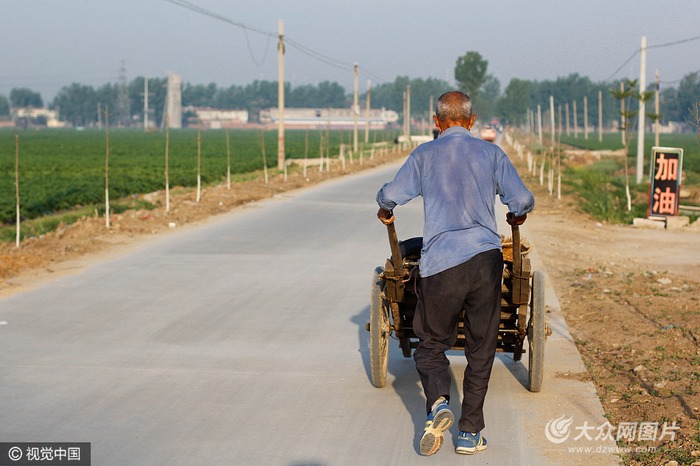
column 474, row 286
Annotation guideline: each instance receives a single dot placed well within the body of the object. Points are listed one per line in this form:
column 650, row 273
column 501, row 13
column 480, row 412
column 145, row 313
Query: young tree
column 693, row 118
column 627, row 95
column 470, row 73
column 515, row 102
column 24, row 97
column 77, row 104
column 4, row 106
column 486, row 100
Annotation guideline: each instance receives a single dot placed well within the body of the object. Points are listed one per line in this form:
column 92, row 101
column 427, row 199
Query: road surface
column 243, row 342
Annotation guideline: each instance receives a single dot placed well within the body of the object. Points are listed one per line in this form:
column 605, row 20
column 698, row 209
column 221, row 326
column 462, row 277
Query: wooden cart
column 393, row 303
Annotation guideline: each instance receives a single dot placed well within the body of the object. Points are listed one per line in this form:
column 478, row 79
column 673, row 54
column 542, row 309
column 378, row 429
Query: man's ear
column 471, row 121
column 437, row 124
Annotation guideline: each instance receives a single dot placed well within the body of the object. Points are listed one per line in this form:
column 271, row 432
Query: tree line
column 79, row 104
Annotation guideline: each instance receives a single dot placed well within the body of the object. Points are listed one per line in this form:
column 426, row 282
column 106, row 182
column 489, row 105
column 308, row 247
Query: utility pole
column 404, row 114
column 539, row 123
column 408, row 111
column 355, row 109
column 600, row 115
column 369, row 85
column 559, row 126
column 575, row 121
column 568, row 128
column 656, row 110
column 585, row 117
column 551, row 111
column 145, row 103
column 431, row 112
column 280, row 99
column 642, row 109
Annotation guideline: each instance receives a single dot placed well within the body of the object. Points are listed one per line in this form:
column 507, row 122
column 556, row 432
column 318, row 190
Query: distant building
column 30, row 116
column 330, row 117
column 670, row 127
column 214, row 118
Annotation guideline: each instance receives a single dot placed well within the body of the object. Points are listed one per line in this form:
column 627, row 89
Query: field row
column 64, row 169
column 60, row 170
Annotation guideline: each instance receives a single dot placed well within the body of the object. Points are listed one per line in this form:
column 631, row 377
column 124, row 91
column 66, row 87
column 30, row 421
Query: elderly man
column 461, row 264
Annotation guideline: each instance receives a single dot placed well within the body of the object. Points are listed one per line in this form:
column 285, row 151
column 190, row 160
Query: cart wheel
column 536, row 333
column 379, row 331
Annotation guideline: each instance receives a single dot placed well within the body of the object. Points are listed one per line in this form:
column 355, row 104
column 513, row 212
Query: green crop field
column 689, row 142
column 64, row 169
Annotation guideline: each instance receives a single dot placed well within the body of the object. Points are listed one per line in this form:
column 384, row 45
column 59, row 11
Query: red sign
column 665, row 188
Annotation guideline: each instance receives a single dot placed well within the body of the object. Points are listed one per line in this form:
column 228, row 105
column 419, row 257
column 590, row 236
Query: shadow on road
column 405, row 381
column 517, row 368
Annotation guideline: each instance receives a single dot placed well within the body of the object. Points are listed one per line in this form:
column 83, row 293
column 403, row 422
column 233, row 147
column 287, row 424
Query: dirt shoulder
column 630, row 297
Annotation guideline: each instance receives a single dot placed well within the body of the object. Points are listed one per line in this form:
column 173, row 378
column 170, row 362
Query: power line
column 678, row 80
column 211, row 14
column 197, row 9
column 667, row 44
column 292, row 43
column 318, row 56
column 623, row 65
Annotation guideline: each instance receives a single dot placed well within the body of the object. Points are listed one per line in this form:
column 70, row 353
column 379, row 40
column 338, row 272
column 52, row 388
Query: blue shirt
column 458, row 176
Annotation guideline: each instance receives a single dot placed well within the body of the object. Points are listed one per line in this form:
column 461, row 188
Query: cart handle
column 395, row 250
column 515, row 223
column 517, row 258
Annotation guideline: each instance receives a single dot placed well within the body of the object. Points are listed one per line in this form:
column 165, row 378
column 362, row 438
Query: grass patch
column 600, row 186
column 603, row 194
column 40, row 226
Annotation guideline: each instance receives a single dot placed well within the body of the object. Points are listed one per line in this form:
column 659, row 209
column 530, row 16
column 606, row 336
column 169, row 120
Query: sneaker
column 468, row 444
column 439, row 420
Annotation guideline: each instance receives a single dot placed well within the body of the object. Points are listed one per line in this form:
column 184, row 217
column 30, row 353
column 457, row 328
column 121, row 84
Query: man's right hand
column 385, row 216
column 515, row 221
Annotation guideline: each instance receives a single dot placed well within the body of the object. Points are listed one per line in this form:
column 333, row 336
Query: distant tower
column 123, row 103
column 173, row 101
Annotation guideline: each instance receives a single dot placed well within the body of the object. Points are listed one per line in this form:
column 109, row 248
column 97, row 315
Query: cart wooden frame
column 393, row 302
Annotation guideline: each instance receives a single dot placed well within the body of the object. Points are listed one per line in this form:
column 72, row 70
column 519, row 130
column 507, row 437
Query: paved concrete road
column 243, row 342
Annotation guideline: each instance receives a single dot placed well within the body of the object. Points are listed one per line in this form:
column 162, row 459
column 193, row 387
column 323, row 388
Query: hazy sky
column 47, row 44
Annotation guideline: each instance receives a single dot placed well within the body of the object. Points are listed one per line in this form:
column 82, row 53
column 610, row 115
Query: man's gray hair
column 454, row 106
